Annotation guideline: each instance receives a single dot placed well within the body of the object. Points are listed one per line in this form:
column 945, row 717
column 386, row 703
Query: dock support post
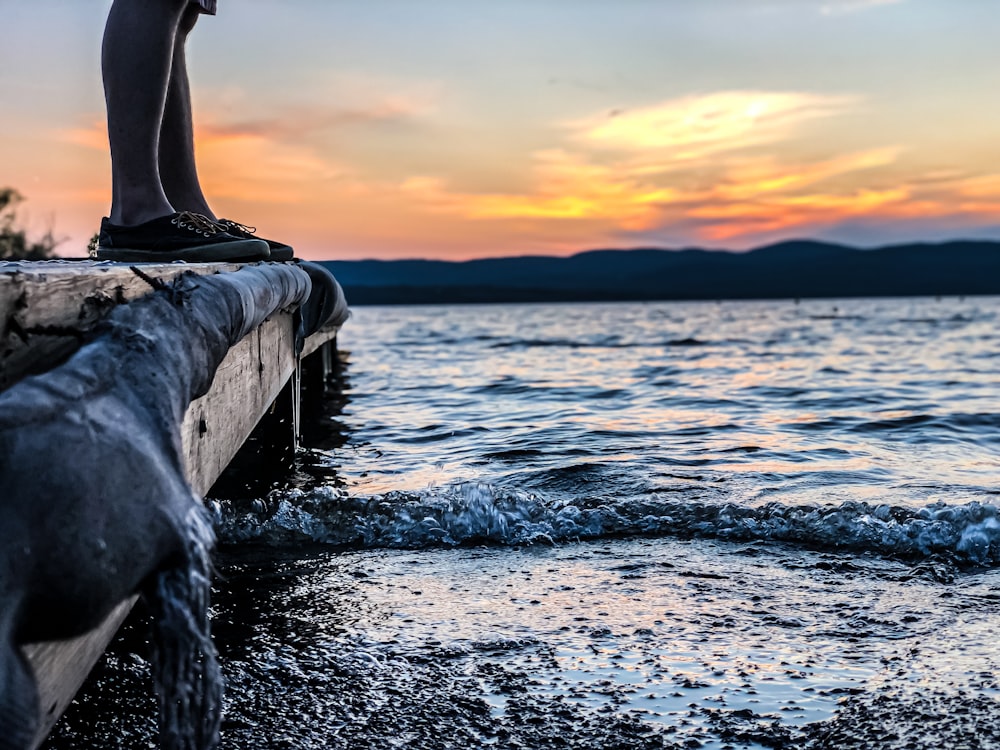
column 315, row 372
column 268, row 454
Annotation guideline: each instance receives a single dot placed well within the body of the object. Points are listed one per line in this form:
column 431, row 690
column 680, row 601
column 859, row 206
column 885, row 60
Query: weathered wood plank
column 318, row 339
column 44, row 306
column 246, row 384
column 62, row 666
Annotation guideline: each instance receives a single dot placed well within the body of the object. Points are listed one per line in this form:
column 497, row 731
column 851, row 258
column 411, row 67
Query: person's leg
column 136, row 60
column 178, row 172
column 178, row 169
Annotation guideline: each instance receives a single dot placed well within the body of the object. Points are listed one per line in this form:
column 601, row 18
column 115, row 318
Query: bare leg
column 178, row 172
column 136, row 61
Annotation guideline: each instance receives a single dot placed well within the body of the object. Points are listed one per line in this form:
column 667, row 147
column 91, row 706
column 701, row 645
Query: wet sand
column 638, row 644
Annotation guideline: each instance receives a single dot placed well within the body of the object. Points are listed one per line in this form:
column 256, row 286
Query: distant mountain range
column 794, row 269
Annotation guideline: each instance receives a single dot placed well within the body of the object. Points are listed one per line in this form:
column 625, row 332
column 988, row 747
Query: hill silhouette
column 792, row 269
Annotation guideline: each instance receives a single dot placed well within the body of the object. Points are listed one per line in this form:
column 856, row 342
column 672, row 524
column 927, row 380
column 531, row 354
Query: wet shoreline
column 531, row 648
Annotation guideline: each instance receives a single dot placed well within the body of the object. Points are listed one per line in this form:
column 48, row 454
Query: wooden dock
column 46, row 311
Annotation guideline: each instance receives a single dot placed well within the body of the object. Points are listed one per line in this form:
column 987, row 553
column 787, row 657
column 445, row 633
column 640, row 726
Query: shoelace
column 196, row 223
column 229, row 224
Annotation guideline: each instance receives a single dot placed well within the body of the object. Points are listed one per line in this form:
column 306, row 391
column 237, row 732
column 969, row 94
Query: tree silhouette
column 14, row 243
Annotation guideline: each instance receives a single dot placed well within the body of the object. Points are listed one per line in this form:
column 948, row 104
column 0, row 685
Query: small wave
column 949, row 423
column 481, row 514
column 917, row 428
column 685, row 342
column 513, row 455
column 601, row 342
column 956, row 318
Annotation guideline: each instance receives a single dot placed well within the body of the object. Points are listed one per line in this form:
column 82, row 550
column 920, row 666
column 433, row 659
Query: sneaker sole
column 216, row 252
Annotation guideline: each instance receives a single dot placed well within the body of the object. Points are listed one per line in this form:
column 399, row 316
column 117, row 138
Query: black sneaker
column 181, row 236
column 279, row 250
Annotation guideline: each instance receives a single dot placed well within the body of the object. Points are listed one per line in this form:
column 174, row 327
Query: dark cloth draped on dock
column 326, row 304
column 93, row 494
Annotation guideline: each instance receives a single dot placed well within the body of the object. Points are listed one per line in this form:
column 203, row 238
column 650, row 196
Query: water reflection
column 438, row 390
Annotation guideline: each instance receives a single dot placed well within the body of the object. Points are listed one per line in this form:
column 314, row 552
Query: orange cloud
column 985, row 186
column 760, row 192
column 697, row 126
column 292, row 126
column 714, row 168
column 246, row 162
column 93, row 136
column 255, row 168
column 733, row 220
column 752, row 178
column 568, row 187
column 738, row 199
column 298, row 122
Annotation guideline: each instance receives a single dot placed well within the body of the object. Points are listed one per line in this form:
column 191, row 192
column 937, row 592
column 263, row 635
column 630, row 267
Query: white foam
column 482, row 514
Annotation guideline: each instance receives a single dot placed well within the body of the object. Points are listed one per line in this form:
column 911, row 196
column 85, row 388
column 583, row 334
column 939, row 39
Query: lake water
column 722, row 525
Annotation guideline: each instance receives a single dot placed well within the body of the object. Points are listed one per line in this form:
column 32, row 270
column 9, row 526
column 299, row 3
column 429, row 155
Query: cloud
column 729, row 168
column 298, row 122
column 257, row 163
column 748, row 188
column 258, row 169
column 93, row 135
column 724, row 221
column 746, row 179
column 745, row 198
column 336, row 104
column 983, row 186
column 292, row 126
column 844, row 7
column 567, row 187
column 694, row 127
column 689, row 160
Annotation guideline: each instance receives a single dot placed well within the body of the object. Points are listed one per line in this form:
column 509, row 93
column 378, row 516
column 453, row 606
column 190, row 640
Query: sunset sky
column 460, row 129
